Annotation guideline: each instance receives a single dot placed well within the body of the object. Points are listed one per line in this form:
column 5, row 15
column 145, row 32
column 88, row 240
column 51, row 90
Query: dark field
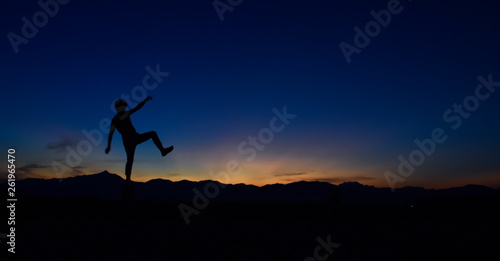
column 97, row 229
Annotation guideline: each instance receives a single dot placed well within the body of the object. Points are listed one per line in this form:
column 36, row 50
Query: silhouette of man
column 130, row 137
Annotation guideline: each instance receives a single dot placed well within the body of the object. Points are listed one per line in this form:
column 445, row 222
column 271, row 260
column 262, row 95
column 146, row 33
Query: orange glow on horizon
column 252, row 177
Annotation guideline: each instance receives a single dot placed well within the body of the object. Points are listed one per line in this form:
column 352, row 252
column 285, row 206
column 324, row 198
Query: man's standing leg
column 130, row 149
column 128, row 189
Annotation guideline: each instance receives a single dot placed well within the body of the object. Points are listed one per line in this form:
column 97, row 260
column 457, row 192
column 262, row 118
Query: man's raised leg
column 153, row 135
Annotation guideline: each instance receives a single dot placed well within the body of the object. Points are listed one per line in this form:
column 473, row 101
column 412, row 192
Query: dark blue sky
column 353, row 119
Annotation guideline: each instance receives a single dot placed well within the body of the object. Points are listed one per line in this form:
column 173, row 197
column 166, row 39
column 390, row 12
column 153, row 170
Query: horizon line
column 309, row 181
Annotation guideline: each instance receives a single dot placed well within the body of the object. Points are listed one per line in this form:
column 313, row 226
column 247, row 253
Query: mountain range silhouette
column 109, row 186
column 85, row 216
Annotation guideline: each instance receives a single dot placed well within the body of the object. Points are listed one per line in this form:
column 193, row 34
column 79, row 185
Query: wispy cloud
column 31, row 166
column 290, row 174
column 60, row 145
column 35, row 170
column 30, row 171
column 124, row 160
column 77, row 170
column 342, row 179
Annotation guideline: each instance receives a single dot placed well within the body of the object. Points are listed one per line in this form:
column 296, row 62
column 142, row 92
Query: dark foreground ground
column 97, row 229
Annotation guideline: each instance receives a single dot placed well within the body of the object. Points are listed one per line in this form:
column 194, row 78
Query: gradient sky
column 353, row 119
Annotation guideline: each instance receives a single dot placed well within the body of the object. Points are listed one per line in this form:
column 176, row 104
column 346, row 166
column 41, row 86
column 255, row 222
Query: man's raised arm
column 140, row 105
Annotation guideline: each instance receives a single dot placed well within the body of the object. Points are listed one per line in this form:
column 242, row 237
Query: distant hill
column 108, row 185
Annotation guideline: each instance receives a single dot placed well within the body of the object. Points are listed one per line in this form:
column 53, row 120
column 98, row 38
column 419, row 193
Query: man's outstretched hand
column 107, row 150
column 149, row 98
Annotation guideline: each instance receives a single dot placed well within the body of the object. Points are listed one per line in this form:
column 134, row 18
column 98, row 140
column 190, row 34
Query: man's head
column 120, row 105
